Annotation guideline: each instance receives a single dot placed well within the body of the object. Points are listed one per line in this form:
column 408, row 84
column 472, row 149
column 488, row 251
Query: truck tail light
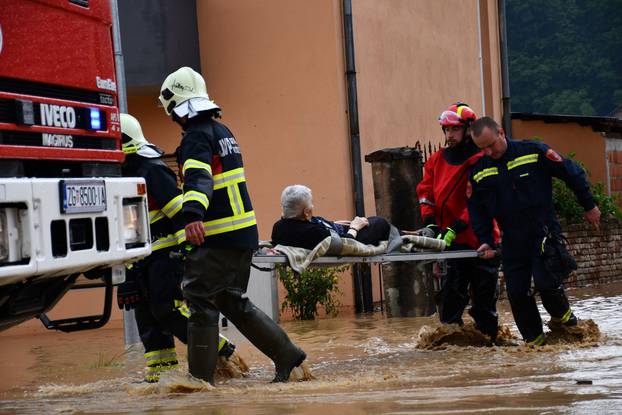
column 135, row 228
column 14, row 238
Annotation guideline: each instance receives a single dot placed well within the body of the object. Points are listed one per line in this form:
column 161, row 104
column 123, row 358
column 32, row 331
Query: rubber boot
column 264, row 333
column 202, row 351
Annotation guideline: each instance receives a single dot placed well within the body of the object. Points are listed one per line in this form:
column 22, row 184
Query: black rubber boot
column 264, row 333
column 202, row 351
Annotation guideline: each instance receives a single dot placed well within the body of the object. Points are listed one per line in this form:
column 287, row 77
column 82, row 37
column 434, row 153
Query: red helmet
column 457, row 114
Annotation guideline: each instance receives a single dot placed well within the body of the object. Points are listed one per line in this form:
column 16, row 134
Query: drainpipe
column 481, row 58
column 505, row 72
column 130, row 329
column 353, row 111
column 362, row 274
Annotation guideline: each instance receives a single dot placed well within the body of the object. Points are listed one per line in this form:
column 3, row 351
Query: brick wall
column 598, row 254
column 614, row 158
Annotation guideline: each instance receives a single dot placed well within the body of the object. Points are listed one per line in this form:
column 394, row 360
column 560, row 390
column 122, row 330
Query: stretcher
column 376, row 259
column 263, row 262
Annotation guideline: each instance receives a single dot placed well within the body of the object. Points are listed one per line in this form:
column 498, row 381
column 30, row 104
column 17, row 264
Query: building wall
column 614, row 167
column 598, row 263
column 588, row 145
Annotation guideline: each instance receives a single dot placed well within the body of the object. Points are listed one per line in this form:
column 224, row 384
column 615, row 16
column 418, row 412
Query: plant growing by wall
column 312, row 288
column 568, row 208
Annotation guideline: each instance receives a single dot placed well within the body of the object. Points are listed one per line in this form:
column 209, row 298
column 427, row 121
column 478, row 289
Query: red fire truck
column 65, row 211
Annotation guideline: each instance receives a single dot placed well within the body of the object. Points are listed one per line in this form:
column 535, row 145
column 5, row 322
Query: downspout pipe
column 363, row 297
column 505, row 71
column 130, row 329
column 353, row 112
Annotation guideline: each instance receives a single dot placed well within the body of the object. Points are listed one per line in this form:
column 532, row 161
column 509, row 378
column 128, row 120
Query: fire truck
column 67, row 217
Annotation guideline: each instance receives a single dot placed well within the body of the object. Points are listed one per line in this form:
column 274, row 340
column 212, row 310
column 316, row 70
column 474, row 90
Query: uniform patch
column 552, row 155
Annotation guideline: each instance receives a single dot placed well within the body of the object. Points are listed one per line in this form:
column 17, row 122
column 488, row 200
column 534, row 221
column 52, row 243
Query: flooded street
column 363, row 365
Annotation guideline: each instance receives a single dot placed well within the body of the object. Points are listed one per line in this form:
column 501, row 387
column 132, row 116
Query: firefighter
column 512, row 184
column 443, row 203
column 220, row 223
column 152, row 286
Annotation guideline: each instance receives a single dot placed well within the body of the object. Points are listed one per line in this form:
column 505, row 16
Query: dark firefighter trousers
column 518, row 272
column 475, row 279
column 157, row 318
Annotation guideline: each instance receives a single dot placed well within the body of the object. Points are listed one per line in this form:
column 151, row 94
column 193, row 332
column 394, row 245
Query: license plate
column 80, row 196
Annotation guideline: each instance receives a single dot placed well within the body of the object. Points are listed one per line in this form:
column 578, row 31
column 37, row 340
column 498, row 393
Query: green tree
column 565, row 57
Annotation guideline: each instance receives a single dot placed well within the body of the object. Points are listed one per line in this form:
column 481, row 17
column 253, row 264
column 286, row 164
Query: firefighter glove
column 448, row 235
column 129, row 295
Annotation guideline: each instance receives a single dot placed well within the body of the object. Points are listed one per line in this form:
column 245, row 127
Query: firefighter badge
column 553, row 155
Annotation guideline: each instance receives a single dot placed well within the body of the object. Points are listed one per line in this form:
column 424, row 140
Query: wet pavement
column 363, row 365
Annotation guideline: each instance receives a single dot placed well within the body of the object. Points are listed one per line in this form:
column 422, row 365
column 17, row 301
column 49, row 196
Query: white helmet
column 132, row 134
column 181, row 86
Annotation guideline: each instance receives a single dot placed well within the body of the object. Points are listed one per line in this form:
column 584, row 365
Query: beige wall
column 588, row 145
column 491, row 58
column 276, row 69
column 413, row 59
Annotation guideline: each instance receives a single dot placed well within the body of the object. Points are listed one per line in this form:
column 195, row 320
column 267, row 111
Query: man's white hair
column 295, row 199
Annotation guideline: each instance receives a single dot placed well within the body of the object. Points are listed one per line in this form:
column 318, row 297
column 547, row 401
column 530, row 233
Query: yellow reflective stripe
column 235, row 199
column 230, row 224
column 218, row 226
column 195, row 164
column 173, row 206
column 222, row 342
column 155, row 215
column 229, row 178
column 182, row 308
column 566, row 316
column 158, row 356
column 193, row 195
column 180, row 236
column 538, row 341
column 526, row 159
column 155, row 370
column 491, row 171
column 164, row 242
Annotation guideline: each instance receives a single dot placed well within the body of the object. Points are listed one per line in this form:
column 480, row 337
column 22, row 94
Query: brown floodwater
column 363, row 365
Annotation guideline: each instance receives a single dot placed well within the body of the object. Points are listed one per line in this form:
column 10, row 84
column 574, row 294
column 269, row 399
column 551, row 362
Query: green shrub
column 567, row 206
column 315, row 286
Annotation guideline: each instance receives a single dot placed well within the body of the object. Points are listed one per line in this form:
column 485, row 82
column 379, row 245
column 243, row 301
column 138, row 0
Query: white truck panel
column 42, row 199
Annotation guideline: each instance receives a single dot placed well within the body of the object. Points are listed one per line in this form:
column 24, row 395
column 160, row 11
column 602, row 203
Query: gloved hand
column 430, row 231
column 448, row 235
column 129, row 294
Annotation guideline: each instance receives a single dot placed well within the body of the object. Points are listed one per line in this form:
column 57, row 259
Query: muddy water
column 365, row 365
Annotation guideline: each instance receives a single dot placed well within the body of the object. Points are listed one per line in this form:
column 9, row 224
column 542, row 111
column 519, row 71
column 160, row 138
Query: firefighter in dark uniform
column 152, row 285
column 220, row 223
column 513, row 185
column 443, row 204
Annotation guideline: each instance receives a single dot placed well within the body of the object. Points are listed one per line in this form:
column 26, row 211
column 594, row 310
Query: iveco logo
column 58, row 116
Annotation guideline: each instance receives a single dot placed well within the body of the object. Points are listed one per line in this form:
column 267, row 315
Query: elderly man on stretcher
column 299, row 232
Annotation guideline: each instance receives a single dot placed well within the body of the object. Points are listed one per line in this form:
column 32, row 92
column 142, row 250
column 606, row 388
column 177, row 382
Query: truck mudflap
column 79, row 323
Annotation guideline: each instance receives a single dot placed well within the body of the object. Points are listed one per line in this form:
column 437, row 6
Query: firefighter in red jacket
column 443, row 201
